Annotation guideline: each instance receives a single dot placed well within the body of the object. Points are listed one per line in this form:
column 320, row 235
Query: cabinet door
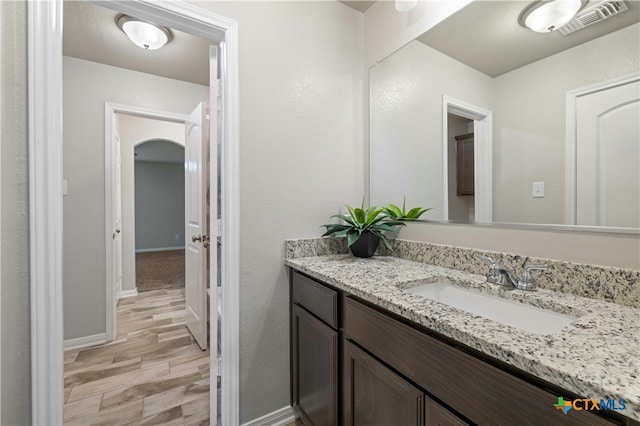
column 437, row 415
column 315, row 369
column 374, row 395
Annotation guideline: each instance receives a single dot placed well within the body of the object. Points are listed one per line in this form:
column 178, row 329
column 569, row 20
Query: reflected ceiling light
column 548, row 15
column 405, row 5
column 144, row 34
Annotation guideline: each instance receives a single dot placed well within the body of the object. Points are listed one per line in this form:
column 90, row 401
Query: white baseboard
column 128, row 293
column 280, row 417
column 84, row 342
column 149, row 250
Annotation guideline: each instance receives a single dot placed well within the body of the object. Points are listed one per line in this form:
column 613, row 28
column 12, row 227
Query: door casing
column 44, row 34
column 110, row 123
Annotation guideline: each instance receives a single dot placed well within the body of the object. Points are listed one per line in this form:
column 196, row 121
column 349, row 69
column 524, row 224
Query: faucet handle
column 486, row 259
column 526, row 275
column 526, row 282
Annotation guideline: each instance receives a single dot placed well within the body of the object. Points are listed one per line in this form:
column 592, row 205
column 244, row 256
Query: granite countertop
column 596, row 356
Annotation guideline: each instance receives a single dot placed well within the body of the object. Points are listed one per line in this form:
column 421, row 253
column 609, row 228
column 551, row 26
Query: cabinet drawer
column 479, row 391
column 318, row 299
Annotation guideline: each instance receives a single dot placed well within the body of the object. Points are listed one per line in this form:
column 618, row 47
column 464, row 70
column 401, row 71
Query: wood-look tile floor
column 153, row 373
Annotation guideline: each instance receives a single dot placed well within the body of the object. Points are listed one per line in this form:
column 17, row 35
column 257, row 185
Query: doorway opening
column 461, row 168
column 159, row 214
column 467, row 161
column 46, row 187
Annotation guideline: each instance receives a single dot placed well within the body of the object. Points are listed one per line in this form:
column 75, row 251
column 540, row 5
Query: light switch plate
column 538, row 190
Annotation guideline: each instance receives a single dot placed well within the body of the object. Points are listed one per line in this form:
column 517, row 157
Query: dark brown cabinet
column 315, row 352
column 315, row 366
column 375, row 396
column 356, row 364
column 464, row 165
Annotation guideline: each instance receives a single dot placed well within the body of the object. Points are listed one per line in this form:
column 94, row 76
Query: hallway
column 153, row 373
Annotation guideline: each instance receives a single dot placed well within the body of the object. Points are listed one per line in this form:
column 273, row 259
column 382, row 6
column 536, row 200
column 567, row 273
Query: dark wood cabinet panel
column 315, row 369
column 437, row 415
column 375, row 396
column 477, row 390
column 316, row 298
column 465, row 182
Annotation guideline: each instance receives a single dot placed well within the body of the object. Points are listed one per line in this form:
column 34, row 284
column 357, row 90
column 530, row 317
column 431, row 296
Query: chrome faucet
column 501, row 275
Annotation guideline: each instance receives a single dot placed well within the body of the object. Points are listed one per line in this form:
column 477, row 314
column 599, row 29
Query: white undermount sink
column 508, row 312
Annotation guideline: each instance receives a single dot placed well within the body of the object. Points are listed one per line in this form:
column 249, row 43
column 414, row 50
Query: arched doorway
column 159, row 215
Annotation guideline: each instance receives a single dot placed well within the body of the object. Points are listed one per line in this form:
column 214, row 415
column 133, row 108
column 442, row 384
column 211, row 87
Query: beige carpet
column 160, row 270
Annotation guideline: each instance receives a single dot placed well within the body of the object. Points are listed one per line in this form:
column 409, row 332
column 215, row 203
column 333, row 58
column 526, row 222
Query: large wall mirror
column 485, row 120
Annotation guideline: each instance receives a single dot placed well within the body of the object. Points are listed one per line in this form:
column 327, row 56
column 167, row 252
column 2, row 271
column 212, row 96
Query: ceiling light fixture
column 548, row 15
column 405, row 5
column 144, row 34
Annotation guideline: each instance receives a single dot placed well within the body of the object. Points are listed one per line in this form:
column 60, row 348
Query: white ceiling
column 90, row 32
column 486, row 36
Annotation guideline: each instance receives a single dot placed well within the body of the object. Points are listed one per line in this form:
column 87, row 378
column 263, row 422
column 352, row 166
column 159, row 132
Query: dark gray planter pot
column 366, row 245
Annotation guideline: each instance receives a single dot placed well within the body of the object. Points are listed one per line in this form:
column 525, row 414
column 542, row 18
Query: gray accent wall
column 15, row 369
column 159, row 193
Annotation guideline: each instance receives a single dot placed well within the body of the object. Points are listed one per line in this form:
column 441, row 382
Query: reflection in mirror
column 565, row 144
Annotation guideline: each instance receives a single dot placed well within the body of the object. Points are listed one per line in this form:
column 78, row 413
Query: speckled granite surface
column 597, row 355
column 621, row 286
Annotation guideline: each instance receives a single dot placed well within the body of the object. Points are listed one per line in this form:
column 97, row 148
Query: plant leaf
column 386, row 241
column 352, row 237
column 394, row 211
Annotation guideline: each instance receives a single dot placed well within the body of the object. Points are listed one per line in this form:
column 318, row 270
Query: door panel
column 118, row 217
column 196, row 141
column 608, row 157
column 375, row 395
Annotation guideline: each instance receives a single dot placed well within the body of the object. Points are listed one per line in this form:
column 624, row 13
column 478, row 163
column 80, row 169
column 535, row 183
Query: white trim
column 571, row 138
column 483, row 153
column 45, row 184
column 85, row 342
column 280, row 417
column 153, row 250
column 128, row 293
column 44, row 26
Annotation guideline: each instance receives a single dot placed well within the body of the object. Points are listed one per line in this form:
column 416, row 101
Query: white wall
column 134, row 130
column 529, row 122
column 87, row 85
column 406, row 123
column 159, row 205
column 301, row 157
column 15, row 369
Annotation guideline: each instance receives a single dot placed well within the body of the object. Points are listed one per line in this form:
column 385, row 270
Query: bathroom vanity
column 365, row 350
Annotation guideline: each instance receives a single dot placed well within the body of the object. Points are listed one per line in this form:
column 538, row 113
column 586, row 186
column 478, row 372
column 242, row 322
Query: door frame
column 110, row 111
column 571, row 139
column 44, row 33
column 483, row 155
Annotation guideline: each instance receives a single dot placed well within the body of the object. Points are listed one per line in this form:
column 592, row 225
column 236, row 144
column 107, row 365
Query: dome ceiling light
column 548, row 15
column 144, row 34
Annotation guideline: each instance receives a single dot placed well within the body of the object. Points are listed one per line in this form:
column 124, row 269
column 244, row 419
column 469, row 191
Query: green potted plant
column 364, row 229
column 395, row 212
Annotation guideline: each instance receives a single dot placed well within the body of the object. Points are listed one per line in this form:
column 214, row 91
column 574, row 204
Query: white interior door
column 215, row 316
column 608, row 157
column 117, row 240
column 195, row 154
